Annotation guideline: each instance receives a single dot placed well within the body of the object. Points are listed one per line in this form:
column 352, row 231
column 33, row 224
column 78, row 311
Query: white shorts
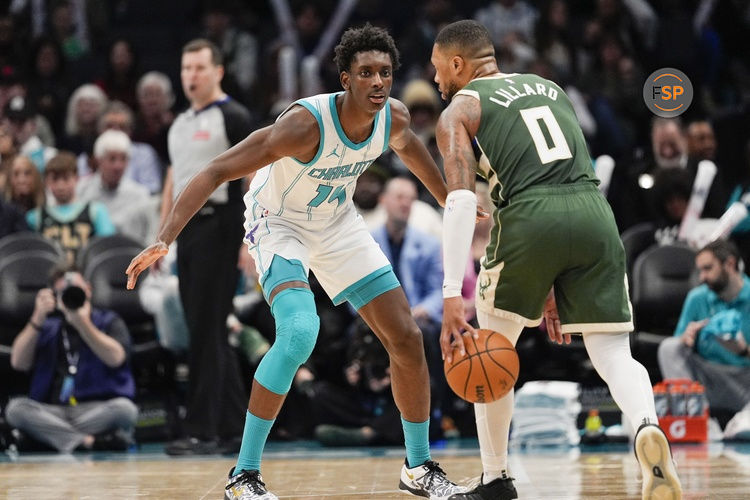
column 340, row 251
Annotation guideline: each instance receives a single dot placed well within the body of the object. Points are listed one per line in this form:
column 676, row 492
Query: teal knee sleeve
column 297, row 326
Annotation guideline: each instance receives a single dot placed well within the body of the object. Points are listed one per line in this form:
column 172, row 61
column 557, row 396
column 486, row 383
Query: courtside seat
column 28, row 241
column 662, row 278
column 636, row 240
column 100, row 244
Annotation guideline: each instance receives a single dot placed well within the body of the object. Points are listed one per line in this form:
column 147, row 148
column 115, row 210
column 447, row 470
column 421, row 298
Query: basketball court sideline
column 304, row 470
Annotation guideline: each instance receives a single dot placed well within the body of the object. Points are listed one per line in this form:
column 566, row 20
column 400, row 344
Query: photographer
column 363, row 412
column 81, row 385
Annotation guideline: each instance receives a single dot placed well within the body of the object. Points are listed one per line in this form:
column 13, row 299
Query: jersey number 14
column 324, row 190
column 559, row 150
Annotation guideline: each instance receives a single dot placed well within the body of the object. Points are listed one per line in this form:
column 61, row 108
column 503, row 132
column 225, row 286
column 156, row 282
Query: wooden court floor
column 707, row 472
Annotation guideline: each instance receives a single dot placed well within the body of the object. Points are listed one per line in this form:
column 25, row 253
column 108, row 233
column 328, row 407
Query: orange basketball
column 487, row 372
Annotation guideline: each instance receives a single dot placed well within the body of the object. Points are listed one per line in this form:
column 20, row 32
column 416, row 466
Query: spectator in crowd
column 370, row 186
column 22, row 122
column 710, row 343
column 8, row 151
column 677, row 167
column 424, row 106
column 508, row 17
column 154, row 115
column 67, row 24
column 108, row 185
column 144, row 166
column 555, row 41
column 11, row 50
column 85, row 107
column 630, row 192
column 49, row 82
column 24, row 188
column 213, row 123
column 121, row 75
column 701, row 140
column 362, row 412
column 11, row 219
column 64, row 219
column 239, row 48
column 614, row 86
column 701, row 145
column 81, row 386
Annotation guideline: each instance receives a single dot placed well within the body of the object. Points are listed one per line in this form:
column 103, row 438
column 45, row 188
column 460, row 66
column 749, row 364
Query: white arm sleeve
column 458, row 230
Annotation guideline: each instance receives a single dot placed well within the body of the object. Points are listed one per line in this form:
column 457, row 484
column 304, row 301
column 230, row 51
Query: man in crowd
column 81, row 385
column 710, row 343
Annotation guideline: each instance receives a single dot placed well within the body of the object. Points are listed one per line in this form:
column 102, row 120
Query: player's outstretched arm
column 457, row 124
column 295, row 134
column 413, row 153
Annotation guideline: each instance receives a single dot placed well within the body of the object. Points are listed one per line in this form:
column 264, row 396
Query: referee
column 207, row 251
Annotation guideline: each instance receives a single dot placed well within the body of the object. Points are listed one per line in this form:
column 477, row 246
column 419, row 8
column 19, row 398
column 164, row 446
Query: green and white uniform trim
column 552, row 226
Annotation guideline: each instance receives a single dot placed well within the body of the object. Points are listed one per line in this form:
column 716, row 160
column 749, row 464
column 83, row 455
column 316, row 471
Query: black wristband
column 36, row 327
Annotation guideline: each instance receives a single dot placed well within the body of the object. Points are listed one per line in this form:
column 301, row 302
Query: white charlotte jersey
column 324, row 186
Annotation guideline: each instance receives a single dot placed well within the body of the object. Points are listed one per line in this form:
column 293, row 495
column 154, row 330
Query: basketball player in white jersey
column 300, row 216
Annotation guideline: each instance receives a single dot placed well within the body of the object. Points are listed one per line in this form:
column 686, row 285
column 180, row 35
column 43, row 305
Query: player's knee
column 298, row 333
column 297, row 326
column 407, row 342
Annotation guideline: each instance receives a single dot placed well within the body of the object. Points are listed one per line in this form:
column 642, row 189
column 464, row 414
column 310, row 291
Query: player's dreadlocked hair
column 363, row 39
column 468, row 36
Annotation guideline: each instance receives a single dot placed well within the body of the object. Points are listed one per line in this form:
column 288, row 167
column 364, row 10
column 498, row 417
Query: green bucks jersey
column 528, row 135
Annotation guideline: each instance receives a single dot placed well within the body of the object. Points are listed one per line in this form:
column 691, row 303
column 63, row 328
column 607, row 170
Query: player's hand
column 454, row 324
column 482, row 214
column 140, row 262
column 552, row 320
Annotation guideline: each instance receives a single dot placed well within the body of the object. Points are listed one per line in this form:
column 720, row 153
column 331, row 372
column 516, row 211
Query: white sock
column 493, row 419
column 627, row 379
column 493, row 427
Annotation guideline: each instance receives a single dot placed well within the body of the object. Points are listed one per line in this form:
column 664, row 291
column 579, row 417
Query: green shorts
column 563, row 236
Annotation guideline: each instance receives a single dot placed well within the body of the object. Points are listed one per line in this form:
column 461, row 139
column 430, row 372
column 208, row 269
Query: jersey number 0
column 559, row 150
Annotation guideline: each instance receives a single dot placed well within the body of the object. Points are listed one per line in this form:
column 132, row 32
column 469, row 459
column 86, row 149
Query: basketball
column 487, row 372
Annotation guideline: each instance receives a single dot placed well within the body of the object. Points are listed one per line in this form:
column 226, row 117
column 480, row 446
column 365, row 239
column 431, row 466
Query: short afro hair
column 468, row 36
column 363, row 39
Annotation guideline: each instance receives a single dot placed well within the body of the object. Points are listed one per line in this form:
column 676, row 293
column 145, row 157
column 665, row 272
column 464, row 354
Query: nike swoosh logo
column 410, row 476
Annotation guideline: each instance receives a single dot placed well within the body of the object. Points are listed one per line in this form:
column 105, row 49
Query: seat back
column 106, row 273
column 100, row 244
column 635, row 240
column 22, row 275
column 662, row 278
column 28, row 241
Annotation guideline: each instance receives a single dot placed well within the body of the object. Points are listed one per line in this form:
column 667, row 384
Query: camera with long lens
column 72, row 296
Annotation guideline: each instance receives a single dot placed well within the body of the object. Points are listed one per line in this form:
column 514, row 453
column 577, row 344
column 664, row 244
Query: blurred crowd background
column 73, row 70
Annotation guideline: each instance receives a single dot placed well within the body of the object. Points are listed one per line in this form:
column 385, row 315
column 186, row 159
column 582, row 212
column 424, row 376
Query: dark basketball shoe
column 428, row 480
column 497, row 489
column 660, row 481
column 247, row 485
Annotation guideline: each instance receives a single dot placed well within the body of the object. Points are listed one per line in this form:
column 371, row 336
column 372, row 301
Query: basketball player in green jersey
column 554, row 252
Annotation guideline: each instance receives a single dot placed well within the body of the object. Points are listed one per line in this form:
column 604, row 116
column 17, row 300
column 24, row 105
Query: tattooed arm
column 455, row 129
column 456, row 126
